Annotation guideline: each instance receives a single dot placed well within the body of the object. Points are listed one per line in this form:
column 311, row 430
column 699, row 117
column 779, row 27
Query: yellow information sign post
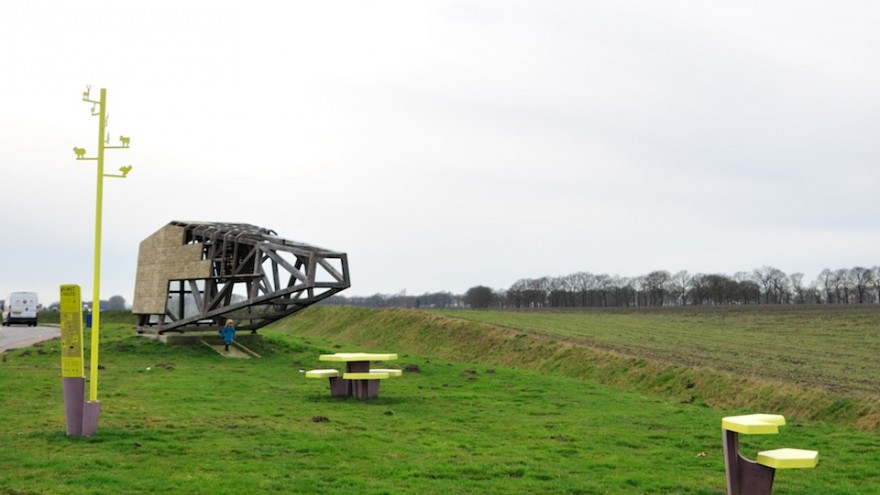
column 72, row 380
column 92, row 408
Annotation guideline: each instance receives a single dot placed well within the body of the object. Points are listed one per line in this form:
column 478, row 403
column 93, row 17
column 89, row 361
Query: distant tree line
column 766, row 285
column 438, row 300
column 115, row 303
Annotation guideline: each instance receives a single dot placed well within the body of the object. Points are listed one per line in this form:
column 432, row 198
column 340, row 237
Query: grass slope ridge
column 458, row 339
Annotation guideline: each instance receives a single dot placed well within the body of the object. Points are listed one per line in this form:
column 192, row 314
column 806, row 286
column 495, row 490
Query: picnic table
column 358, row 380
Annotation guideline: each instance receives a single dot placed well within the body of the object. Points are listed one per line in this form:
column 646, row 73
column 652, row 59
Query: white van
column 21, row 307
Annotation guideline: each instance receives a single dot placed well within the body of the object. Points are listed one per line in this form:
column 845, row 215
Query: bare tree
column 826, row 281
column 861, row 279
column 679, row 285
column 638, row 288
column 747, row 287
column 797, row 285
column 779, row 286
column 624, row 294
column 529, row 293
column 656, row 286
column 698, row 289
column 604, row 284
column 773, row 283
column 557, row 291
column 764, row 277
column 515, row 295
column 842, row 284
column 876, row 278
column 583, row 283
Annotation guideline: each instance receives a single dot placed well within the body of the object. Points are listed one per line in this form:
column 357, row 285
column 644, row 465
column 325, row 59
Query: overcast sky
column 446, row 144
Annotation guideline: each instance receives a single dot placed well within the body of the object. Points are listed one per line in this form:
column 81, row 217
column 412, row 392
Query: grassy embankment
column 185, row 420
column 816, row 363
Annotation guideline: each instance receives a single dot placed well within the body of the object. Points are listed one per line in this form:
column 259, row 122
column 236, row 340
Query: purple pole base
column 74, row 389
column 81, row 416
column 91, row 412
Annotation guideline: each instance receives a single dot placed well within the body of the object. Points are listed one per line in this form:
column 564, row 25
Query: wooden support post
column 744, row 477
column 365, row 389
column 340, row 387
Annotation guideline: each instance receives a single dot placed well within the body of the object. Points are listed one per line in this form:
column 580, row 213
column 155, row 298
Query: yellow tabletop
column 356, row 356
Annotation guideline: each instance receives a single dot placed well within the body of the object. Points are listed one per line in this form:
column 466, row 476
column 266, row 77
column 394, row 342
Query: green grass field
column 830, row 347
column 485, row 414
column 785, row 359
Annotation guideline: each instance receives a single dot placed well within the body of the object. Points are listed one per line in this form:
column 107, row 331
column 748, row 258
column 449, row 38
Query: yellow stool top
column 753, row 424
column 788, row 458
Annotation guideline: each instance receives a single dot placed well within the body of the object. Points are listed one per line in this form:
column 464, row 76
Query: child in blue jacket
column 228, row 333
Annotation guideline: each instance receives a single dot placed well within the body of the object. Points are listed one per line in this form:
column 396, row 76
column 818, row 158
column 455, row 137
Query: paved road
column 22, row 336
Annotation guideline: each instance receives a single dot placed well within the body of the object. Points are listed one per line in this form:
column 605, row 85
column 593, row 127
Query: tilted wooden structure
column 192, row 276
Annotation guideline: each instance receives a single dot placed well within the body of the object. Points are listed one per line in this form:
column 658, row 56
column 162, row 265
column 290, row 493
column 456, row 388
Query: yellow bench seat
column 788, row 458
column 322, row 373
column 389, row 372
column 365, row 376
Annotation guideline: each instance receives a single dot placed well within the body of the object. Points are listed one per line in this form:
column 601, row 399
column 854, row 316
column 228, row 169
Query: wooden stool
column 365, row 385
column 338, row 386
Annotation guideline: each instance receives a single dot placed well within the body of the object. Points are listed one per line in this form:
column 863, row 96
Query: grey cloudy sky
column 446, row 144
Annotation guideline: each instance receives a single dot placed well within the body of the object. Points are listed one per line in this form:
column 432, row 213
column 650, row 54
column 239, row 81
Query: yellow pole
column 96, row 291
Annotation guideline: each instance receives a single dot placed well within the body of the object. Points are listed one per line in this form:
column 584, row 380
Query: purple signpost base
column 74, row 389
column 81, row 415
column 91, row 411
